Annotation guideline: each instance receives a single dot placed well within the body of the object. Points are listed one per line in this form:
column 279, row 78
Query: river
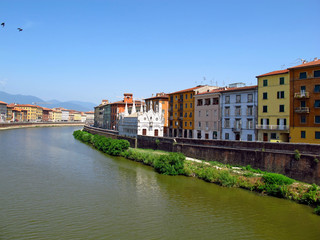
column 55, row 187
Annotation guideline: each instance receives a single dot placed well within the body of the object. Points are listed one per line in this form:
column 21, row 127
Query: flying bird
column 3, row 24
column 19, row 29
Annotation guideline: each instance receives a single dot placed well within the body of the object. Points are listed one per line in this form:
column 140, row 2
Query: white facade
column 64, row 115
column 150, row 123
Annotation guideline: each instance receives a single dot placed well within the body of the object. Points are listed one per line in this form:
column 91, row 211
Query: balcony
column 272, row 127
column 302, row 110
column 299, row 95
column 236, row 128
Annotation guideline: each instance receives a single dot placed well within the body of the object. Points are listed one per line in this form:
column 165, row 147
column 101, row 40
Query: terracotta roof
column 240, row 88
column 187, row 90
column 158, row 97
column 213, row 91
column 16, row 109
column 25, row 105
column 274, row 73
column 11, row 105
column 308, row 64
column 46, row 109
column 122, row 102
column 90, row 112
column 3, row 103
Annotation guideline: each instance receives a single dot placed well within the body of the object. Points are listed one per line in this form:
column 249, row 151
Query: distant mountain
column 24, row 99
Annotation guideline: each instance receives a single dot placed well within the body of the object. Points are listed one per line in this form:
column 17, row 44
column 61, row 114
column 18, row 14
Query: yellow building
column 274, row 106
column 181, row 111
column 39, row 113
column 56, row 116
column 31, row 111
column 77, row 116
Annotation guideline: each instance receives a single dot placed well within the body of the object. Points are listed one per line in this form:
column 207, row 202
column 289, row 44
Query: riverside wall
column 272, row 157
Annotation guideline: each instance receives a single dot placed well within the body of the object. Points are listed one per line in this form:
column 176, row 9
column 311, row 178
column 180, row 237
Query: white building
column 146, row 123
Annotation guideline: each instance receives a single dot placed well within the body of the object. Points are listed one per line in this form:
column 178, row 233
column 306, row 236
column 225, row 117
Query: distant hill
column 25, row 99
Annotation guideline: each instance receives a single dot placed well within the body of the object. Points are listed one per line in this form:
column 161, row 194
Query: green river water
column 55, row 187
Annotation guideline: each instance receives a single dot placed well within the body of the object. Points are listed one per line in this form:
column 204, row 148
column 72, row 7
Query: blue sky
column 90, row 50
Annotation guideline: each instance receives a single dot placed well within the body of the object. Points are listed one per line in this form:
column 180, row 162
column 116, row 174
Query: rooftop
column 316, row 62
column 240, row 89
column 188, row 89
column 3, row 103
column 274, row 73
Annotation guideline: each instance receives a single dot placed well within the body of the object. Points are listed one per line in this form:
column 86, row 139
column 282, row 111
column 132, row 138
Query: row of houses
column 33, row 113
column 284, row 106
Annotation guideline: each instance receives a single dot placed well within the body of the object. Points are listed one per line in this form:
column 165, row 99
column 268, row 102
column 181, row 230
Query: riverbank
column 245, row 177
column 6, row 126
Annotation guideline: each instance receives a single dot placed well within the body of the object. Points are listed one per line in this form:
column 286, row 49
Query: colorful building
column 207, row 115
column 154, row 101
column 305, row 102
column 98, row 114
column 32, row 111
column 46, row 116
column 273, row 106
column 239, row 113
column 56, row 115
column 3, row 111
column 181, row 111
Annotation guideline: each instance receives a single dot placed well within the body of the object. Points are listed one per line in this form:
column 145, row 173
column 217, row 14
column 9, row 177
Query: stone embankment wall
column 271, row 157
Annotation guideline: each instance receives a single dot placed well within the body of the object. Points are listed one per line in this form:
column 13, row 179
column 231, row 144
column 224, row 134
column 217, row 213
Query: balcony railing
column 272, row 127
column 301, row 95
column 236, row 128
column 302, row 110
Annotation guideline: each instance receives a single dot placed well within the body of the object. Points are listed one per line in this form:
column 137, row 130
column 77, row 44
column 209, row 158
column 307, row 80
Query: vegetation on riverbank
column 246, row 177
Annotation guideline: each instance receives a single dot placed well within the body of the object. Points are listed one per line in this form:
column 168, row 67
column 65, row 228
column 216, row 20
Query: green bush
column 276, row 179
column 110, row 146
column 297, row 154
column 226, row 179
column 171, row 164
column 310, row 197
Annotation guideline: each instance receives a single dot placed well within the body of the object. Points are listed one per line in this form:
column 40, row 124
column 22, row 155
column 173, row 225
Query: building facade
column 146, row 123
column 305, row 102
column 238, row 113
column 207, row 117
column 181, row 111
column 3, row 111
column 154, row 101
column 274, row 106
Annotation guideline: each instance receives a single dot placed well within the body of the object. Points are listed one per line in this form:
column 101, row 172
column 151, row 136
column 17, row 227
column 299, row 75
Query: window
column 250, row 98
column 207, row 101
column 273, row 136
column 185, row 124
column 249, row 110
column 265, row 95
column 303, row 119
column 185, row 114
column 190, row 115
column 316, row 88
column 227, row 123
column 238, row 98
column 227, row 99
column 316, row 73
column 215, row 101
column 238, row 111
column 317, row 119
column 200, row 102
column 265, row 82
column 227, row 111
column 190, row 95
column 190, row 105
column 317, row 103
column 280, row 94
column 176, row 123
column 265, row 109
column 207, row 124
column 207, row 113
column 249, row 137
column 281, row 108
column 175, row 106
column 199, row 113
column 186, row 105
column 303, row 75
column 317, row 135
column 176, row 97
column 190, row 124
column 249, row 124
column 199, row 124
column 226, row 136
column 281, row 80
column 186, row 96
column 303, row 104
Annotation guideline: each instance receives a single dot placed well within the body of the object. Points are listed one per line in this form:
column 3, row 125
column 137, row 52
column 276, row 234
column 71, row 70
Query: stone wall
column 271, row 157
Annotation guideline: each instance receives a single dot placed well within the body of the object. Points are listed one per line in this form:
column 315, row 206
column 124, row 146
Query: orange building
column 305, row 102
column 118, row 107
column 154, row 102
